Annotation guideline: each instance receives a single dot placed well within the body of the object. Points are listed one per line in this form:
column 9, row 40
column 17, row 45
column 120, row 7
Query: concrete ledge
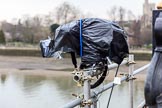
column 139, row 55
column 20, row 52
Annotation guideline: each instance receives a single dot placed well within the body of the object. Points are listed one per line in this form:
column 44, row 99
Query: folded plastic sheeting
column 48, row 51
column 100, row 39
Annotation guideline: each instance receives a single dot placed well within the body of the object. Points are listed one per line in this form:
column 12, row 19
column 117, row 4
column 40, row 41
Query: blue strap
column 81, row 45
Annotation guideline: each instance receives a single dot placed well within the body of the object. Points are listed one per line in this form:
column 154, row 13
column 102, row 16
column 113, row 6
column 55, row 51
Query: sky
column 10, row 9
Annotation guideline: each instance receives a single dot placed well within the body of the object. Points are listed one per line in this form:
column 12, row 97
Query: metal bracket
column 130, row 77
column 81, row 96
column 78, row 96
column 75, row 71
column 79, row 78
column 124, row 74
column 131, row 62
column 87, row 102
column 87, row 78
column 84, row 102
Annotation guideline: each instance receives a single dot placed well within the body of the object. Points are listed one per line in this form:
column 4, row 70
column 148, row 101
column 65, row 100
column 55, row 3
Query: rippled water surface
column 37, row 90
column 30, row 91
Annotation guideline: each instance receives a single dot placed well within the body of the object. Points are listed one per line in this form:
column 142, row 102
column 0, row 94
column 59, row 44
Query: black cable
column 112, row 87
column 73, row 58
column 103, row 76
column 101, row 79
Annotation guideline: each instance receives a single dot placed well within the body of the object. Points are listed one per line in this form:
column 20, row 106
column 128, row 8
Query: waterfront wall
column 139, row 55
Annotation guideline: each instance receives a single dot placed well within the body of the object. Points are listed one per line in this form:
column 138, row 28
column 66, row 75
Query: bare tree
column 9, row 28
column 27, row 31
column 33, row 29
column 136, row 28
column 48, row 19
column 130, row 15
column 112, row 14
column 66, row 12
column 121, row 13
column 38, row 29
column 146, row 36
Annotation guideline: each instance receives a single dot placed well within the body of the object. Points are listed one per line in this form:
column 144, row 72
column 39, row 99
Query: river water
column 18, row 90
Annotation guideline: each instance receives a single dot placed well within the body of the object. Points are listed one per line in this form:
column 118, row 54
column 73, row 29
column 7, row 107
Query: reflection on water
column 3, row 78
column 120, row 96
column 31, row 91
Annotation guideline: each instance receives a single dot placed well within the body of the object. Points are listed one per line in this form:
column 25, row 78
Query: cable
column 73, row 58
column 103, row 76
column 112, row 87
column 101, row 79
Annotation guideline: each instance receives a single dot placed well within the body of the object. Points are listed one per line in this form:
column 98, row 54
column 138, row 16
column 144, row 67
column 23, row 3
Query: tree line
column 32, row 29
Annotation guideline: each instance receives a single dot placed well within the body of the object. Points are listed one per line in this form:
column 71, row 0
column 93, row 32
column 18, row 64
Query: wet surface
column 31, row 63
column 52, row 89
column 30, row 91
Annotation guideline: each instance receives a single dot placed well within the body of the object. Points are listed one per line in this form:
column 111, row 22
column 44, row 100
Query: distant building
column 147, row 13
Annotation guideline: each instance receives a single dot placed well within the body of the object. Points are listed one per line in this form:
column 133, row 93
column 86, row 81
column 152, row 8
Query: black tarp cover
column 100, row 38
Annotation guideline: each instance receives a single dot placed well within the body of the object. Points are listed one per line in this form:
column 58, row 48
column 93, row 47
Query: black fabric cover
column 101, row 38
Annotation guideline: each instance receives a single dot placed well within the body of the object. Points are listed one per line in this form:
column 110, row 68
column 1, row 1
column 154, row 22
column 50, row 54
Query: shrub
column 2, row 37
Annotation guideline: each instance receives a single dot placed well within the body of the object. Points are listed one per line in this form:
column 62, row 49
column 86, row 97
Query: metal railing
column 93, row 95
column 142, row 104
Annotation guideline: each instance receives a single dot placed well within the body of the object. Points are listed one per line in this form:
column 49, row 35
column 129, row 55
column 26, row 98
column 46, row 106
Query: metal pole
column 106, row 87
column 94, row 105
column 86, row 90
column 141, row 104
column 131, row 69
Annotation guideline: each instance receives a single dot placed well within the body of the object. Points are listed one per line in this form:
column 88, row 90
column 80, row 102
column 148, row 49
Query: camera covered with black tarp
column 94, row 40
column 100, row 39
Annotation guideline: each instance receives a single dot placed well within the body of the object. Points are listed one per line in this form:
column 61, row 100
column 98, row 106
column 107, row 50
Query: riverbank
column 50, row 67
column 35, row 52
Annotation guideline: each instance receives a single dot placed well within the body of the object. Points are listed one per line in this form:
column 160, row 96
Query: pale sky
column 10, row 9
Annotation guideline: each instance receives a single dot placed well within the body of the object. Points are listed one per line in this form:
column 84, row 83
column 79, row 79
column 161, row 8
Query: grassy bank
column 141, row 55
column 35, row 52
column 20, row 52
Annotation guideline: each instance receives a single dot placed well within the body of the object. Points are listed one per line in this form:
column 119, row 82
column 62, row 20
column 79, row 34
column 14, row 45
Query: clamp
column 87, row 102
column 130, row 77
